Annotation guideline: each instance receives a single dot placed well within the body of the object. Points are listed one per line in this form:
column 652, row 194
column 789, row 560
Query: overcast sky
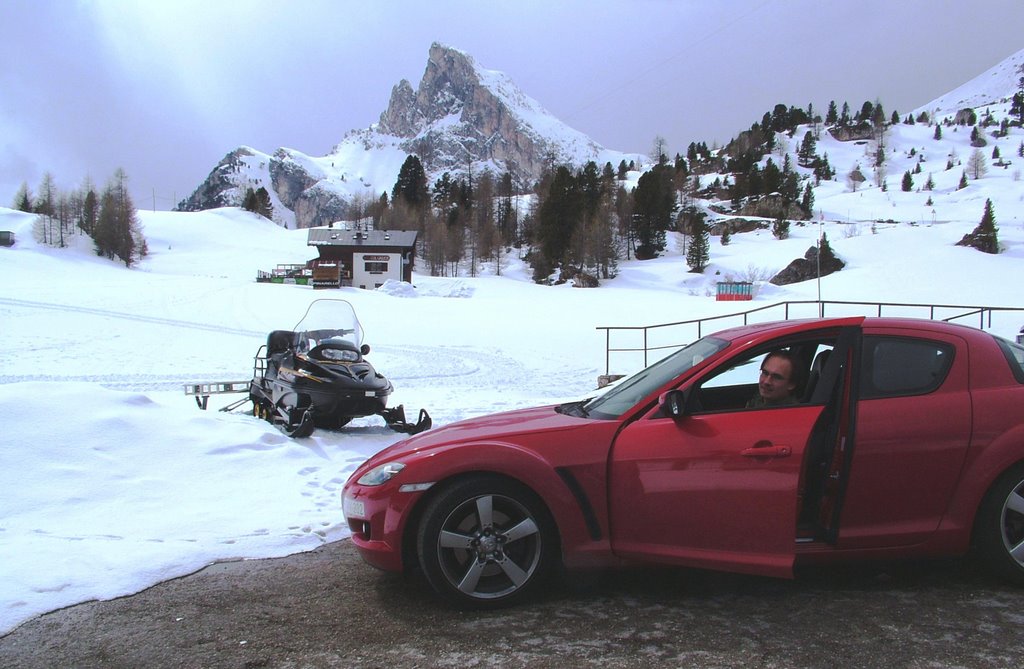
column 165, row 88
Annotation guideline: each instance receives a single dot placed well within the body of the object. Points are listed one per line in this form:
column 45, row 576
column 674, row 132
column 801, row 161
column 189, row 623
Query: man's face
column 776, row 382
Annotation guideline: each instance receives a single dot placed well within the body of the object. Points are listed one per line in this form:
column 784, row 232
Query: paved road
column 327, row 609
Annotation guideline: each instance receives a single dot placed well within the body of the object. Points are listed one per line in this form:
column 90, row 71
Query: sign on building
column 371, row 270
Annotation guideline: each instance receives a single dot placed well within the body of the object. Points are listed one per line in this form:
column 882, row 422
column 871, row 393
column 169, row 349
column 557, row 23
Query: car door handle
column 766, row 449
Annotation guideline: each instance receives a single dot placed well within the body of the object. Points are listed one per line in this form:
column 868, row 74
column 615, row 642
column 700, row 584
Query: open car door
column 721, row 487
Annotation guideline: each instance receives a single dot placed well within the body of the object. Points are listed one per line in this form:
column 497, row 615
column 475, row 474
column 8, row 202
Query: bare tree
column 880, row 174
column 977, row 165
column 659, row 150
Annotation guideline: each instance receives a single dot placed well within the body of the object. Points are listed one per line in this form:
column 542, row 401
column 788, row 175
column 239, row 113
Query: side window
column 735, row 386
column 897, row 366
column 1014, row 357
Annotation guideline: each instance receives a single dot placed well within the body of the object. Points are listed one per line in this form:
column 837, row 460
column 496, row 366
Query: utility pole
column 821, row 307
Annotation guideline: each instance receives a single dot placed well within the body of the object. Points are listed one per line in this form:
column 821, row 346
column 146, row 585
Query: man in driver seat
column 779, row 381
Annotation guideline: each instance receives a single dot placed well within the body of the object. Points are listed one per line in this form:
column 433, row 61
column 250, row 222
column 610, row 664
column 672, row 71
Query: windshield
column 329, row 321
column 631, row 390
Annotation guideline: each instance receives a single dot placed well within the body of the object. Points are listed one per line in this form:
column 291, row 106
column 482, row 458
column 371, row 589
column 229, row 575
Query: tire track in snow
column 410, row 365
column 129, row 382
column 138, row 318
column 403, row 365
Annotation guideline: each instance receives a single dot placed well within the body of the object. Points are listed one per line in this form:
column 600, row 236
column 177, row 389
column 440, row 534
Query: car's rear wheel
column 485, row 542
column 1000, row 529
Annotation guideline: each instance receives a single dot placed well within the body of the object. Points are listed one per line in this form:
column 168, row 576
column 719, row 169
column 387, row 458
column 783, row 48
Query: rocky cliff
column 461, row 118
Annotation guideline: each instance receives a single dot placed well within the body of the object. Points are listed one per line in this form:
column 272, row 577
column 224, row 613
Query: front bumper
column 377, row 517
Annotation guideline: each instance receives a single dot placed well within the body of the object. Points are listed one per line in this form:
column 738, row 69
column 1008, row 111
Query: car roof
column 753, row 330
column 782, row 328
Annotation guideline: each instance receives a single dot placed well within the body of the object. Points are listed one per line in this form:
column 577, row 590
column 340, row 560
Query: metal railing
column 664, row 336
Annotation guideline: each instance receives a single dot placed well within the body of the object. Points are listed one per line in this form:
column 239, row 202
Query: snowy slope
column 995, row 85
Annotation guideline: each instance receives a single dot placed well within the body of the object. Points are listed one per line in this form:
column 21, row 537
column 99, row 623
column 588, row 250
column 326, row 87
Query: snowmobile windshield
column 329, row 322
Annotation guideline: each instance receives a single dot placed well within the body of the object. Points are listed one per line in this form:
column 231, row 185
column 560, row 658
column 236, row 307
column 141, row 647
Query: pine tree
column 104, row 233
column 844, row 117
column 907, row 184
column 507, row 223
column 1017, row 107
column 90, row 210
column 780, row 228
column 118, row 233
column 823, row 170
column 559, row 214
column 654, row 203
column 938, row 132
column 826, row 255
column 410, row 197
column 263, row 205
column 249, row 201
column 963, row 181
column 831, row 116
column 807, row 152
column 698, row 254
column 807, row 201
column 411, row 186
column 984, row 237
column 23, row 198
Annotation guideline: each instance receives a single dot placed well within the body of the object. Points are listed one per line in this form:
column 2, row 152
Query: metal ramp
column 202, row 391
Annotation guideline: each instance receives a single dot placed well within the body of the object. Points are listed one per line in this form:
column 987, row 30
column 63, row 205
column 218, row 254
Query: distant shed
column 6, row 238
column 367, row 258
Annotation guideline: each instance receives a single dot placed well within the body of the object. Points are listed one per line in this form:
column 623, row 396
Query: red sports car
column 751, row 450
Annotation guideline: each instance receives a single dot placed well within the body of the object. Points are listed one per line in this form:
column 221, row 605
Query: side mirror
column 673, row 404
column 365, row 349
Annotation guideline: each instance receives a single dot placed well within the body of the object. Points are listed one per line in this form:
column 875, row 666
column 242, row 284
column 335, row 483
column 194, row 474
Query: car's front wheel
column 1000, row 528
column 485, row 542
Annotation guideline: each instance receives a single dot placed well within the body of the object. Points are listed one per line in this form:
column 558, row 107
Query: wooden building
column 365, row 258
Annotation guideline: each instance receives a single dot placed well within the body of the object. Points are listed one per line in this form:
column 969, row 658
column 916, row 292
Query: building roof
column 342, row 236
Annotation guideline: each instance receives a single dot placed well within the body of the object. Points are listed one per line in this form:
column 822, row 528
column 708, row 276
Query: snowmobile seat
column 279, row 341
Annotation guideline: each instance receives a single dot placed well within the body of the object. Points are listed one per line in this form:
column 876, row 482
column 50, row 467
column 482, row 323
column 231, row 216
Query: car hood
column 499, row 427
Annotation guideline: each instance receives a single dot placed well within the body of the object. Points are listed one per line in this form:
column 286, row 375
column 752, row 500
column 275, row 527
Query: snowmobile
column 316, row 375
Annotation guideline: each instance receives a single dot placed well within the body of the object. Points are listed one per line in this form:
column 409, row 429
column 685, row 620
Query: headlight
column 340, row 355
column 381, row 473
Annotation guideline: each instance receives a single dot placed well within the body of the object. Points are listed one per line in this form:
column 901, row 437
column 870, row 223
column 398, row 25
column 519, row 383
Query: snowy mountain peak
column 454, row 85
column 446, row 89
column 461, row 118
column 462, row 113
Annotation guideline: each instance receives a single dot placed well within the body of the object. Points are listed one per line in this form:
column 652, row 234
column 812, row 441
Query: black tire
column 999, row 534
column 485, row 542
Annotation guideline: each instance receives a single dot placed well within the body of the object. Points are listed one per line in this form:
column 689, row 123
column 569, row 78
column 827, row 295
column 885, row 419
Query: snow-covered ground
column 111, row 479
